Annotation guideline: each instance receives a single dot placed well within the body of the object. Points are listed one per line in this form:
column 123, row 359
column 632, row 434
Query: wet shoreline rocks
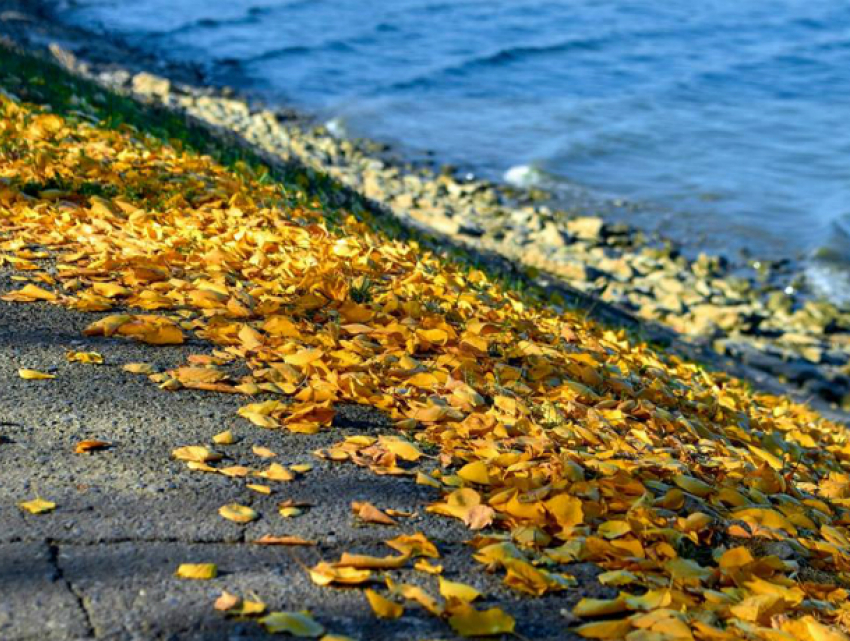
column 759, row 314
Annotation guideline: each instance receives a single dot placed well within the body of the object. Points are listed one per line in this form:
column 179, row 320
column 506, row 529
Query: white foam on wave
column 524, row 176
column 829, row 281
column 336, row 127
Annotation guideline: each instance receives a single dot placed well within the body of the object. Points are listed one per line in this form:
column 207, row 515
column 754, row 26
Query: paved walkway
column 101, row 565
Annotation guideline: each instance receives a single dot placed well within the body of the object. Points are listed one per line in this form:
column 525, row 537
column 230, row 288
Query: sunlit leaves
column 708, row 507
column 297, row 624
column 325, row 574
column 383, row 607
column 238, row 513
column 197, row 571
column 92, row 358
column 37, row 506
column 469, row 622
column 91, row 445
column 34, row 375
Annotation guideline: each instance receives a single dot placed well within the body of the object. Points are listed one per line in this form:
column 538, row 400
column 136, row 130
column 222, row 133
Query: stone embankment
column 764, row 317
column 760, row 314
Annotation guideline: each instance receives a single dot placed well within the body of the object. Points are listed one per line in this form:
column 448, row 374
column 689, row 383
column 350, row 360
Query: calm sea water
column 727, row 120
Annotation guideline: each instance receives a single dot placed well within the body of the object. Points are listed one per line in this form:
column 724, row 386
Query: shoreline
column 791, row 338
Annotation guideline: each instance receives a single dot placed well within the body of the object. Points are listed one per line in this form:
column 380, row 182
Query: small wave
column 336, row 46
column 829, row 280
column 502, row 56
column 527, row 176
column 336, row 127
column 252, row 16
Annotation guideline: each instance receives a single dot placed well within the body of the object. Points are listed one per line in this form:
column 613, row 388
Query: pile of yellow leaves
column 715, row 512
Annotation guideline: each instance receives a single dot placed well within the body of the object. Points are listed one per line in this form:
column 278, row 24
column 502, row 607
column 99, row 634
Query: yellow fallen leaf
column 269, row 539
column 469, row 622
column 37, row 506
column 92, row 358
column 371, row 562
column 224, row 438
column 368, row 513
column 613, row 630
column 29, row 293
column 238, row 513
column 196, row 453
column 424, row 566
column 614, row 529
column 693, row 485
column 402, row 448
column 34, row 375
column 414, row 545
column 298, row 624
column 475, row 472
column 251, row 608
column 276, row 472
column 460, row 591
column 325, row 574
column 290, row 511
column 263, row 452
column 84, row 447
column 197, row 571
column 383, row 607
column 226, row 601
column 138, row 368
column 599, row 607
column 301, row 468
column 261, row 489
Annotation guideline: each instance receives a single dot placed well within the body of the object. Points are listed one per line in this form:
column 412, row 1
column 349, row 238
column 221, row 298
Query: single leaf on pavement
column 325, row 574
column 298, row 624
column 34, row 375
column 197, row 571
column 238, row 513
column 37, row 506
column 383, row 607
column 91, row 358
column 269, row 539
column 469, row 622
column 224, row 438
column 368, row 513
column 92, row 445
column 196, row 453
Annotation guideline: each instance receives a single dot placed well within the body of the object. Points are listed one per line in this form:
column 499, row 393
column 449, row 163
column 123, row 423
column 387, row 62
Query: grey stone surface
column 101, row 566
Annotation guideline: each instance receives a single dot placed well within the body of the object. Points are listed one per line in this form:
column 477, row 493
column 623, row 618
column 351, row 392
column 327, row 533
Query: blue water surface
column 726, row 119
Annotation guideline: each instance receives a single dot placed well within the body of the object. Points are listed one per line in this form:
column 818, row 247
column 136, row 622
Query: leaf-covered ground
column 715, row 512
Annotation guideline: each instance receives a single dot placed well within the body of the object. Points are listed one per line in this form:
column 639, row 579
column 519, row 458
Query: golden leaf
column 276, row 472
column 263, row 452
column 226, row 601
column 238, row 513
column 269, row 539
column 196, row 453
column 84, row 447
column 224, row 438
column 34, row 375
column 368, row 513
column 37, row 506
column 414, row 545
column 460, row 591
column 298, row 624
column 325, row 574
column 92, row 358
column 197, row 571
column 469, row 622
column 371, row 562
column 383, row 607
